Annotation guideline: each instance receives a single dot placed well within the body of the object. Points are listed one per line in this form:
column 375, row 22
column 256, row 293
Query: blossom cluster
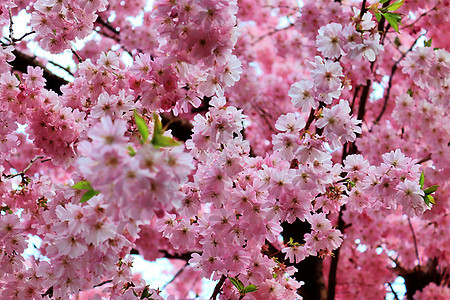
column 278, row 102
column 58, row 23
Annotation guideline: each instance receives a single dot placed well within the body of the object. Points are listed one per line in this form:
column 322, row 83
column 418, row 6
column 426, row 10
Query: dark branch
column 22, row 61
column 218, row 287
column 415, row 242
column 393, row 70
column 22, row 173
column 332, row 275
column 175, row 276
column 393, row 291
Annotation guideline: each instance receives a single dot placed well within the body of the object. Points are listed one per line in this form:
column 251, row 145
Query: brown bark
column 22, row 61
column 310, row 269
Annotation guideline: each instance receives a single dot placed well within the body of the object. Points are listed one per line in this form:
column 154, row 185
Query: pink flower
column 326, row 74
column 302, row 94
column 109, row 132
column 319, row 222
column 295, row 253
column 329, row 40
column 290, row 123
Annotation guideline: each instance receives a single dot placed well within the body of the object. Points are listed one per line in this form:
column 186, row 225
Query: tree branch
column 22, row 173
column 175, row 276
column 332, row 275
column 393, row 291
column 22, row 61
column 218, row 287
column 388, row 90
column 415, row 242
column 426, row 158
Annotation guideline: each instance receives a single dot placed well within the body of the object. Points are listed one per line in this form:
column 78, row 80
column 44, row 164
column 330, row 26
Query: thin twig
column 22, row 173
column 10, row 26
column 420, row 17
column 415, row 242
column 103, row 283
column 426, row 158
column 23, row 36
column 272, row 33
column 393, row 70
column 176, row 275
column 80, row 60
column 61, row 67
column 393, row 292
column 218, row 287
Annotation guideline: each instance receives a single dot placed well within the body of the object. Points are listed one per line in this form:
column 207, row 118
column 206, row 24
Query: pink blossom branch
column 22, row 173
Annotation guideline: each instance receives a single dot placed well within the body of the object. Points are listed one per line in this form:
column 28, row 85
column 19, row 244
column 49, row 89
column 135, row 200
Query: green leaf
column 431, row 189
column 158, row 130
column 422, row 180
column 429, row 199
column 82, row 185
column 131, row 151
column 410, row 93
column 394, row 19
column 428, row 43
column 383, row 1
column 88, row 195
column 163, row 141
column 145, row 293
column 378, row 16
column 250, row 288
column 237, row 283
column 396, row 5
column 142, row 127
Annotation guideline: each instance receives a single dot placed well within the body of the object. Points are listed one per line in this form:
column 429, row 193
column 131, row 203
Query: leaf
column 410, row 93
column 131, row 151
column 428, row 43
column 431, row 189
column 158, row 129
column 394, row 19
column 396, row 5
column 145, row 293
column 422, row 180
column 237, row 283
column 88, row 195
column 383, row 1
column 378, row 16
column 250, row 288
column 142, row 127
column 82, row 185
column 429, row 199
column 163, row 141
